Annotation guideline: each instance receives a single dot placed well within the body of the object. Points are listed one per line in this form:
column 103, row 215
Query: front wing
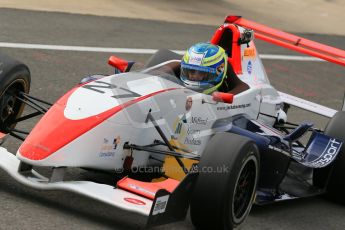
column 163, row 207
column 100, row 192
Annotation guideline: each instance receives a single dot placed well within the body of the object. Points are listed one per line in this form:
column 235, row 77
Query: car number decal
column 105, row 85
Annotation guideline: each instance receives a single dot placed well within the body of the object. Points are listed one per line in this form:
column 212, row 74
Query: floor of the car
column 298, row 182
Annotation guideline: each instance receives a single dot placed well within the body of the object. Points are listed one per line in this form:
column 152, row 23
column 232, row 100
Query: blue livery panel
column 321, row 151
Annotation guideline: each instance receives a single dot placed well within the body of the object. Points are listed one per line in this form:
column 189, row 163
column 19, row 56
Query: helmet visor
column 200, row 73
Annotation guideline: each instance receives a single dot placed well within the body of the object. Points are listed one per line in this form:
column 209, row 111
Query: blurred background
column 308, row 16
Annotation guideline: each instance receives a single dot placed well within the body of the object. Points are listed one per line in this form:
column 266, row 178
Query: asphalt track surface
column 54, row 72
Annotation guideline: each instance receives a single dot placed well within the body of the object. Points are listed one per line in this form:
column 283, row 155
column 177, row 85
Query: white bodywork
column 129, row 124
column 166, row 99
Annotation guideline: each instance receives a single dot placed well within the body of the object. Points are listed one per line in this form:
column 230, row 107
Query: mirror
column 120, row 64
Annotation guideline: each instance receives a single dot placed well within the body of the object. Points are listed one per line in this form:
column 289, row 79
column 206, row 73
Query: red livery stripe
column 54, row 130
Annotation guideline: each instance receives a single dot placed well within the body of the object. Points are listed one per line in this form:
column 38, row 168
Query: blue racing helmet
column 203, row 67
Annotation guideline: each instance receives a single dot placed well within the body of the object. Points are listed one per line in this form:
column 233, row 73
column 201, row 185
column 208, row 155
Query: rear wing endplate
column 291, row 41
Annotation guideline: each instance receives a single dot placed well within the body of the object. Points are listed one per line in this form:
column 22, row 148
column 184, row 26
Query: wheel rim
column 244, row 190
column 7, row 103
column 9, row 106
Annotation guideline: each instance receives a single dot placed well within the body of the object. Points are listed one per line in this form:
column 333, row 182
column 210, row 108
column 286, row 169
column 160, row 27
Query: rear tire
column 222, row 199
column 336, row 171
column 14, row 79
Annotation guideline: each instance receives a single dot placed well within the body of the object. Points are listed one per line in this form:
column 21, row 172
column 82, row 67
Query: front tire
column 14, row 80
column 225, row 189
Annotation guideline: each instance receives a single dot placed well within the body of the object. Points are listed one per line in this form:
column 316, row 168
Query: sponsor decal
column 182, row 127
column 42, row 147
column 160, row 205
column 192, row 141
column 189, row 103
column 199, row 120
column 191, row 131
column 179, row 127
column 134, row 201
column 196, row 59
column 109, row 147
column 329, row 154
column 181, row 121
column 249, row 53
column 133, row 186
column 249, row 67
column 106, row 154
column 229, row 107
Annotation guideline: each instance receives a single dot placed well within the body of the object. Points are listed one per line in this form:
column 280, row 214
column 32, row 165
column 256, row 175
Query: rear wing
column 291, row 41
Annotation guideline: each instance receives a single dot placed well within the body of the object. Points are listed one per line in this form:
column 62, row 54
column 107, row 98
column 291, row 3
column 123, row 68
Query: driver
column 205, row 68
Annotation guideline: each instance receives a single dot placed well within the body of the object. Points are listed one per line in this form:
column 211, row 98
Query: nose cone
column 82, row 109
column 55, row 130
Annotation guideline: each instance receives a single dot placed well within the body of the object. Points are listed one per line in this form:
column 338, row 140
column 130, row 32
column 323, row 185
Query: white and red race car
column 217, row 154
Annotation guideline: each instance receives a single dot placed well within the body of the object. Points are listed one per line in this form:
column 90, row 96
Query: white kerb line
column 134, row 51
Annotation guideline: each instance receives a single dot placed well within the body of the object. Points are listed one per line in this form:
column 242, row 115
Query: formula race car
column 169, row 148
